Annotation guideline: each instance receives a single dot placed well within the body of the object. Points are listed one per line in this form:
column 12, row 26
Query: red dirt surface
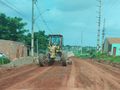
column 81, row 75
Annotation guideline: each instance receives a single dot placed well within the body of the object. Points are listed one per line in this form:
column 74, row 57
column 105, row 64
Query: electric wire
column 13, row 7
column 43, row 18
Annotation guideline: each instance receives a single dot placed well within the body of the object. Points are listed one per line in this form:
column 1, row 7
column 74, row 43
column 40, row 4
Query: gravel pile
column 70, row 54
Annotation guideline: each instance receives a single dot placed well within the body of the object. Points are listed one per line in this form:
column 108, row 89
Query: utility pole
column 32, row 31
column 103, row 35
column 99, row 25
column 81, row 41
column 37, row 48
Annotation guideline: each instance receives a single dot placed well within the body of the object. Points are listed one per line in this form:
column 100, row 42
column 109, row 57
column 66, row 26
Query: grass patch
column 99, row 56
column 112, row 59
column 84, row 56
column 104, row 56
column 4, row 60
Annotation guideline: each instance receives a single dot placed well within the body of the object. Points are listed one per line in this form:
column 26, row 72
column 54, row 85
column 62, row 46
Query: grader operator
column 55, row 52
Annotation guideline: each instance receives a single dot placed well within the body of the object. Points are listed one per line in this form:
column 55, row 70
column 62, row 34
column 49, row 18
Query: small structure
column 112, row 46
column 13, row 49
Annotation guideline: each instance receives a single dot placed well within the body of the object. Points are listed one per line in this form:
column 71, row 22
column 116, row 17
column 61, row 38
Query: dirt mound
column 70, row 54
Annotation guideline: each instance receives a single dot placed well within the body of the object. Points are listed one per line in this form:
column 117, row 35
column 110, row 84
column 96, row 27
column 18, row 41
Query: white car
column 2, row 55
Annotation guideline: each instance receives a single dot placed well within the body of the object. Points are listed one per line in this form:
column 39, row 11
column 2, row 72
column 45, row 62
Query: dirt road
column 81, row 75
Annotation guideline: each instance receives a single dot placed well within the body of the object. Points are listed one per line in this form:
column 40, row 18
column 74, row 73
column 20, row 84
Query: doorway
column 114, row 51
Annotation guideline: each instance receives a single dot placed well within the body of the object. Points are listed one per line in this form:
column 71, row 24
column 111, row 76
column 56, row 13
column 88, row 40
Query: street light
column 42, row 13
column 32, row 31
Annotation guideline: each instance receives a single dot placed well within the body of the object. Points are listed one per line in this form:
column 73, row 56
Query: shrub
column 4, row 60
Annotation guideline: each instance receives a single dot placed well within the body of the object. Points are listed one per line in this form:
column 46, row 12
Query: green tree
column 42, row 40
column 12, row 28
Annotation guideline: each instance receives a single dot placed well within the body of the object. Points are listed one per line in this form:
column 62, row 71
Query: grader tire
column 63, row 59
column 64, row 63
column 40, row 63
column 51, row 62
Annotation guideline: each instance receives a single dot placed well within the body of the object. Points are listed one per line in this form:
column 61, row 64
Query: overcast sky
column 69, row 17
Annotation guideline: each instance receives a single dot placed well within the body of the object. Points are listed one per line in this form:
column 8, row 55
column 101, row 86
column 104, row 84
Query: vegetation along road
column 81, row 75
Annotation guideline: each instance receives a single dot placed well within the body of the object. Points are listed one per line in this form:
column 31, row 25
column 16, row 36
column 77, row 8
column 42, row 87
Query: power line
column 22, row 11
column 13, row 7
column 43, row 19
column 7, row 5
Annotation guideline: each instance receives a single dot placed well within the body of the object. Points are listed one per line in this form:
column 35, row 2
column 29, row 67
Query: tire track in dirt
column 71, row 81
column 52, row 80
column 82, row 80
column 34, row 75
column 11, row 75
column 5, row 72
column 81, row 75
column 106, row 74
column 112, row 73
column 87, row 76
column 92, row 77
column 110, row 69
column 5, row 83
column 18, row 78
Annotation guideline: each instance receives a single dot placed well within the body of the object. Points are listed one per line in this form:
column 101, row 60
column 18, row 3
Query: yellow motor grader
column 55, row 52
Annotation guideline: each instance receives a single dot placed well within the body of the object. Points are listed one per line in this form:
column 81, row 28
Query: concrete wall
column 12, row 49
column 107, row 47
column 106, row 44
column 20, row 62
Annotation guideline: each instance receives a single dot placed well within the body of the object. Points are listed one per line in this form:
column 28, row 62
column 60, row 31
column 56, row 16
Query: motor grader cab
column 55, row 45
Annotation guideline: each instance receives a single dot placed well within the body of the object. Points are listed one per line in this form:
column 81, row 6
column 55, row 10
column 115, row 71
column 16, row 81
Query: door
column 114, row 51
column 17, row 53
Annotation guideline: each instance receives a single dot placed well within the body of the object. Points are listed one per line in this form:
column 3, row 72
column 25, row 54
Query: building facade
column 13, row 49
column 112, row 46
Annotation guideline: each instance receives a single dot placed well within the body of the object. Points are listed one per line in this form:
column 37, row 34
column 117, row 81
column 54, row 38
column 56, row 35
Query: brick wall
column 12, row 49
